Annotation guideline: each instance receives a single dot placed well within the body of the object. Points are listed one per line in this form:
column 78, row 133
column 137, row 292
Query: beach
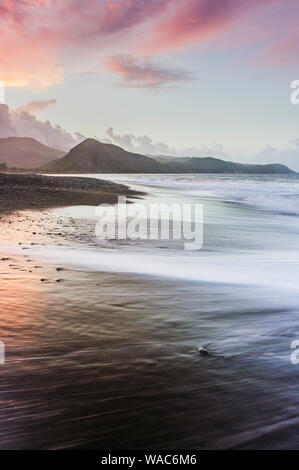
column 102, row 337
column 26, row 191
column 149, row 227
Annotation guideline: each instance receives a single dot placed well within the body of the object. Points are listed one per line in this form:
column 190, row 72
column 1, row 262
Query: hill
column 215, row 165
column 27, row 153
column 92, row 156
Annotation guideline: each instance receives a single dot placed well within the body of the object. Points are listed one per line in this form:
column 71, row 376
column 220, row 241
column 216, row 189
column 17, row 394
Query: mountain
column 215, row 165
column 92, row 156
column 27, row 153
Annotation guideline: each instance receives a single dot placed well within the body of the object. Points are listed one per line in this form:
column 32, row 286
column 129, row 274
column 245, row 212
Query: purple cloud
column 23, row 124
column 134, row 73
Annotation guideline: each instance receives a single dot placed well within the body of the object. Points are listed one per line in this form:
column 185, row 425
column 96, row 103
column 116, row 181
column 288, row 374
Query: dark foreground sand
column 23, row 191
column 109, row 361
column 99, row 360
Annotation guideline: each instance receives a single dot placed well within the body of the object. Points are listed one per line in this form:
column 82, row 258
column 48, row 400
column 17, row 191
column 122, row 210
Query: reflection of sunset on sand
column 149, row 223
column 20, row 298
column 100, row 359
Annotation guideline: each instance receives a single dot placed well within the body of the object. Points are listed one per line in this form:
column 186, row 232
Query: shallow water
column 107, row 357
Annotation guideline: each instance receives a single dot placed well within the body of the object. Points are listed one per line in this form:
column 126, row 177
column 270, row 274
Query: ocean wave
column 275, row 274
column 273, row 193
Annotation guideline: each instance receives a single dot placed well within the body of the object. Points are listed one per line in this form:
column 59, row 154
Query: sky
column 175, row 77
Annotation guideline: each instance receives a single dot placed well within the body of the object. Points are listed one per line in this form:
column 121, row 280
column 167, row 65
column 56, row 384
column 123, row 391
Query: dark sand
column 23, row 191
column 91, row 363
column 99, row 360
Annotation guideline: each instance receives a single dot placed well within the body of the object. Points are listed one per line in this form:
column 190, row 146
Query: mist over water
column 109, row 357
column 269, row 192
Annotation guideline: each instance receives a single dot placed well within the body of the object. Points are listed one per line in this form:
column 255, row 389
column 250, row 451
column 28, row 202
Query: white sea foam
column 275, row 270
column 272, row 270
column 271, row 193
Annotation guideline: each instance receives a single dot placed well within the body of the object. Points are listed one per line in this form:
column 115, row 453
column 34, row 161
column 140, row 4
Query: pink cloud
column 190, row 21
column 41, row 39
column 38, row 36
column 144, row 74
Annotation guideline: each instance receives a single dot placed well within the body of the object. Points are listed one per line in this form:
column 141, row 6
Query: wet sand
column 98, row 360
column 92, row 364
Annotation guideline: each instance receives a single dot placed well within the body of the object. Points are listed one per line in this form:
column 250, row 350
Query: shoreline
column 37, row 192
column 106, row 358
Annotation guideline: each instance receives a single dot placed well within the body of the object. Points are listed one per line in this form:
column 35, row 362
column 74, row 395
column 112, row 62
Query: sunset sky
column 185, row 77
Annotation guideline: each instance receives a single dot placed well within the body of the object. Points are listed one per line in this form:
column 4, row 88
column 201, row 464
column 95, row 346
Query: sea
column 108, row 357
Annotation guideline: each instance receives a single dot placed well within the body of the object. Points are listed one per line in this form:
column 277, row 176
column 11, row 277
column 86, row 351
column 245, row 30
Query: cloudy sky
column 182, row 77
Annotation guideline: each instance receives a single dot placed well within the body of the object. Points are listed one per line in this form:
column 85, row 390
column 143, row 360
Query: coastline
column 36, row 192
column 104, row 353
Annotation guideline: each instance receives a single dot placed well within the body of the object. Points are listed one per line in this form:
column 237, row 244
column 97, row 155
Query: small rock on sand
column 202, row 351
